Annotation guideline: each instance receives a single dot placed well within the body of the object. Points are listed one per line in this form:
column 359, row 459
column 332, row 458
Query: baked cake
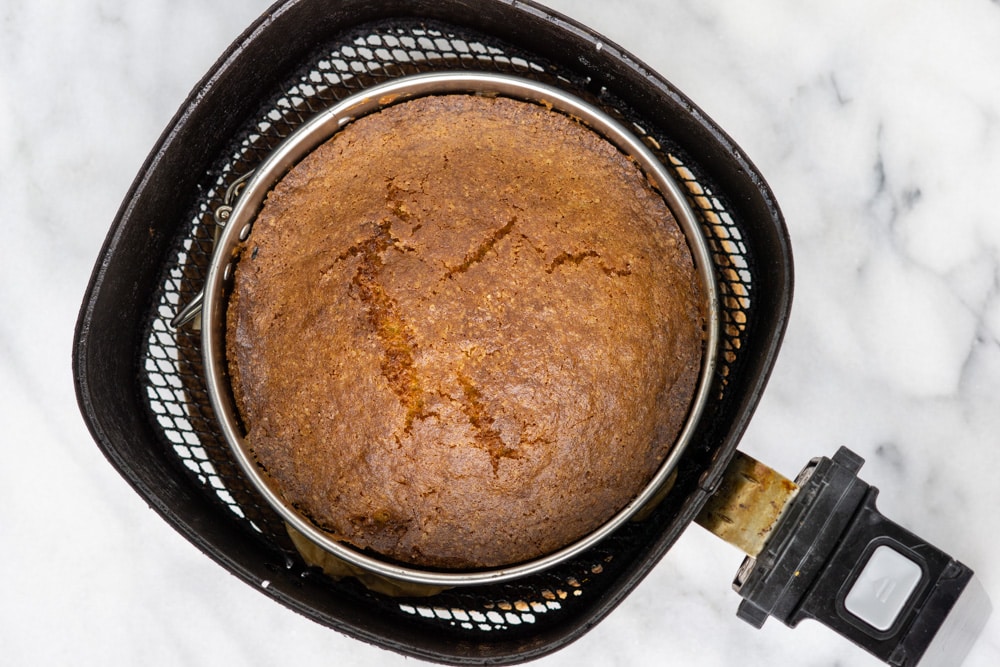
column 464, row 332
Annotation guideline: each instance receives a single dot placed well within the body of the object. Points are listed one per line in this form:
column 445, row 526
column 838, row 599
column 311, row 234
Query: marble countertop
column 876, row 124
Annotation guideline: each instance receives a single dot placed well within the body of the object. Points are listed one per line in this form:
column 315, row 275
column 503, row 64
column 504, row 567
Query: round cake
column 464, row 332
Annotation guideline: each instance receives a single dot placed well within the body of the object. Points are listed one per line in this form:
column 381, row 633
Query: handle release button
column 883, row 588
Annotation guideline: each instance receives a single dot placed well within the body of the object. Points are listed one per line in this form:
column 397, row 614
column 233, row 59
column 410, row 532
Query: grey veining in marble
column 876, row 124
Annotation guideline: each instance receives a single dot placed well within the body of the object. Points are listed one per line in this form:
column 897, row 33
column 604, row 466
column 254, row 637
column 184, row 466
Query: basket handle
column 818, row 548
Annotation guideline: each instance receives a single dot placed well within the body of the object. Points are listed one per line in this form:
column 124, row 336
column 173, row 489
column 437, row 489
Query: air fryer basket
column 140, row 382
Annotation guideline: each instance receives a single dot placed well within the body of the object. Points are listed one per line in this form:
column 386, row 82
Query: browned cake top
column 464, row 332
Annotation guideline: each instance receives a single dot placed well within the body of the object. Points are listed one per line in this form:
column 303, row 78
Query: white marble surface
column 877, row 125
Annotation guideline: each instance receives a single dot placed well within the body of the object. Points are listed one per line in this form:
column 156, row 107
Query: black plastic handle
column 834, row 558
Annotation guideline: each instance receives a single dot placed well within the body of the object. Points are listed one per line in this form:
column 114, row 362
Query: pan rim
column 324, row 126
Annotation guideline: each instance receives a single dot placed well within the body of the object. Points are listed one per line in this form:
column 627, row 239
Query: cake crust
column 464, row 332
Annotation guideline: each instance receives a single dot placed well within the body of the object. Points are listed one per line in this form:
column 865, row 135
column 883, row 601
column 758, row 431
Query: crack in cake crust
column 482, row 250
column 486, row 436
column 390, row 326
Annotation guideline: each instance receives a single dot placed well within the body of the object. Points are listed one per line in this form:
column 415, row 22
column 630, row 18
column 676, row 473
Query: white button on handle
column 883, row 588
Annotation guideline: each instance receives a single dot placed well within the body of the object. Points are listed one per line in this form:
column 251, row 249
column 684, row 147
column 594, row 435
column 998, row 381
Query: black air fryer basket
column 141, row 384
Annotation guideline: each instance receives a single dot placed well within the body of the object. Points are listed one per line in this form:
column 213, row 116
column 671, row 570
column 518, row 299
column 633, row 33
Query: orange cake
column 464, row 332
